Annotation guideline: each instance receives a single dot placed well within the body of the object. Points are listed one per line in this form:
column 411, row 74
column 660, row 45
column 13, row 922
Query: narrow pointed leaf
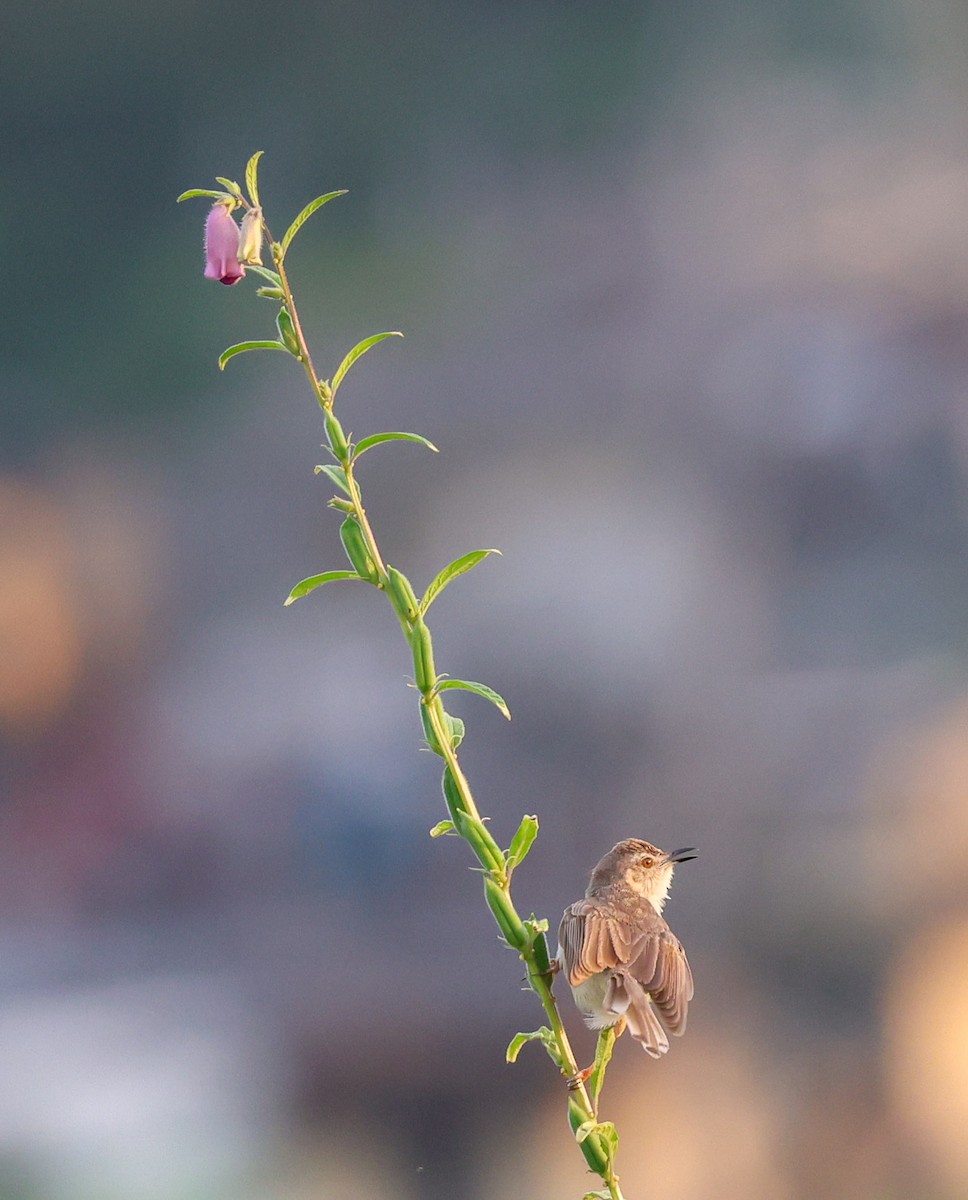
column 335, row 474
column 522, row 841
column 304, row 216
column 305, row 586
column 193, row 192
column 230, row 185
column 442, row 828
column 603, row 1056
column 242, row 347
column 252, row 177
column 265, row 273
column 480, row 689
column 375, row 439
column 520, row 1040
column 450, row 572
column 357, row 352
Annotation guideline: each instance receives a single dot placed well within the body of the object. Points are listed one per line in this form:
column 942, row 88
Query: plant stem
column 539, row 980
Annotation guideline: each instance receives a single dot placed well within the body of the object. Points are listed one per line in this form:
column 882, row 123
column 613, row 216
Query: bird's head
column 642, row 867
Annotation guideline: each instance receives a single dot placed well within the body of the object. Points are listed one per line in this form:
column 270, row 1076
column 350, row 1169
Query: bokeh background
column 685, row 289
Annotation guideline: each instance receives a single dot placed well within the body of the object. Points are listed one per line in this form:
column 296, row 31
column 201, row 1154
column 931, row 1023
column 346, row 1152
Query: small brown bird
column 622, row 960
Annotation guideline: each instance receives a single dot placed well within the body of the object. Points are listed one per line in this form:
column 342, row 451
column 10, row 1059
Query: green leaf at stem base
column 375, row 439
column 357, row 352
column 304, row 216
column 335, row 475
column 305, row 586
column 458, row 567
column 242, row 347
column 479, row 689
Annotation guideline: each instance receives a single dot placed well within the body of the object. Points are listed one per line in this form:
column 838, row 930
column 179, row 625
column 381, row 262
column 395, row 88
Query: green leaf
column 455, row 727
column 252, row 177
column 271, row 293
column 375, row 439
column 230, row 185
column 442, row 828
column 335, row 474
column 480, row 689
column 584, row 1129
column 603, row 1056
column 193, row 192
column 265, row 273
column 597, row 1196
column 357, row 352
column 242, row 347
column 520, row 1040
column 304, row 216
column 450, row 572
column 305, row 586
column 609, row 1135
column 522, row 841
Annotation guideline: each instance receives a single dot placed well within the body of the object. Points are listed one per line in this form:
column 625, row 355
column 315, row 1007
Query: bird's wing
column 662, row 969
column 593, row 938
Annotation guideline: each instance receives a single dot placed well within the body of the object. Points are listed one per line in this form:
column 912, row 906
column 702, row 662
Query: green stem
column 540, row 981
column 305, row 357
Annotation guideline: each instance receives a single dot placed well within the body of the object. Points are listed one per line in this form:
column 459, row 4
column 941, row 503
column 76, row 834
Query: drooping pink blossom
column 222, row 247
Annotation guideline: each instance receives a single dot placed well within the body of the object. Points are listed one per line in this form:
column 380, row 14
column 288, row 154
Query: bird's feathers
column 643, row 959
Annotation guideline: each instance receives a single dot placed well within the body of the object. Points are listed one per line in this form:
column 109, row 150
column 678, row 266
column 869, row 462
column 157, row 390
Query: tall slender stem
column 538, row 977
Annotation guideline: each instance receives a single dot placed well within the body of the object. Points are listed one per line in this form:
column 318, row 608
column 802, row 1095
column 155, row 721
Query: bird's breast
column 590, row 1000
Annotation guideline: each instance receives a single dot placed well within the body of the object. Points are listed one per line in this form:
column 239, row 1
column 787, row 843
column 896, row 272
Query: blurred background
column 685, row 290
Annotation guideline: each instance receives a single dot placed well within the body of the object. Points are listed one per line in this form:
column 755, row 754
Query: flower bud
column 352, row 538
column 287, row 331
column 400, row 592
column 499, row 902
column 425, row 673
column 591, row 1144
column 250, row 237
column 337, row 438
column 222, row 247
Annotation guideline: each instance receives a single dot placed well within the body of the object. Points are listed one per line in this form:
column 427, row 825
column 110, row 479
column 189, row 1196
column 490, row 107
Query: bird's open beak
column 683, row 855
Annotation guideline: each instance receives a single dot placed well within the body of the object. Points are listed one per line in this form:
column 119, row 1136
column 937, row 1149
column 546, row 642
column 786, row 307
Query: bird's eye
column 647, row 861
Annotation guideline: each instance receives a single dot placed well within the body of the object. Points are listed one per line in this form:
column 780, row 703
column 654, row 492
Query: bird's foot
column 577, row 1081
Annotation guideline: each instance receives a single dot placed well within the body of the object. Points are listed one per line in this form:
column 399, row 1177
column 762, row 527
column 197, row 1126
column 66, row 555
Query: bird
column 623, row 963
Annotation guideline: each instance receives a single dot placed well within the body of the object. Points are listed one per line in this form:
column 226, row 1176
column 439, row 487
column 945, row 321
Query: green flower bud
column 337, row 438
column 452, row 796
column 401, row 593
column 287, row 332
column 542, row 960
column 476, row 833
column 591, row 1146
column 250, row 238
column 429, row 733
column 424, row 671
column 510, row 924
column 352, row 538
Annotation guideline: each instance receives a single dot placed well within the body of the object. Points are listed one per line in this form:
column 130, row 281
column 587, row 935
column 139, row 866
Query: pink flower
column 222, row 247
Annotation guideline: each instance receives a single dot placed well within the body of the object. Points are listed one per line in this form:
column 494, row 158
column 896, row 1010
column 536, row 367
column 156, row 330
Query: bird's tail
column 628, row 997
